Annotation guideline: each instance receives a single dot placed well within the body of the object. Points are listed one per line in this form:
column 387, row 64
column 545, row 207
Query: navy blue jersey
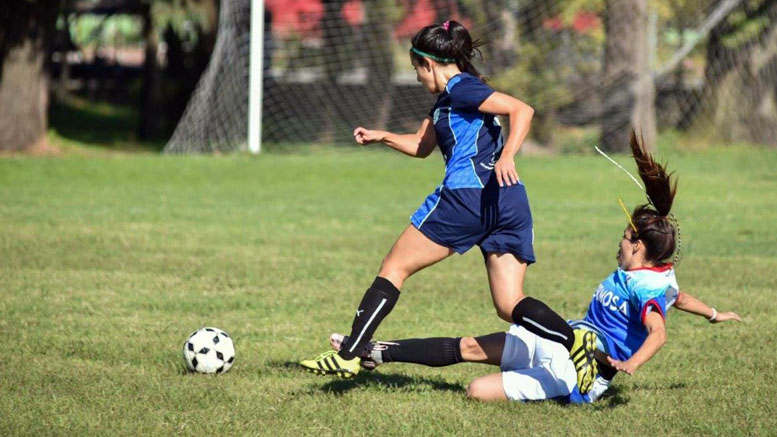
column 469, row 208
column 470, row 140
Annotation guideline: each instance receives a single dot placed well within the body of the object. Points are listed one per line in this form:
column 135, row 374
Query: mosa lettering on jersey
column 622, row 300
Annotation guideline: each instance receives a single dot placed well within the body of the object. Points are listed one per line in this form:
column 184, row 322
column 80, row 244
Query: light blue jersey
column 621, row 302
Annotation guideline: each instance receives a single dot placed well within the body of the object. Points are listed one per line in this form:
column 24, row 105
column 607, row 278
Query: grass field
column 108, row 262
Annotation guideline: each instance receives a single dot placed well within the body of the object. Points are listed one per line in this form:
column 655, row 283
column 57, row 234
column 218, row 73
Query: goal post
column 256, row 77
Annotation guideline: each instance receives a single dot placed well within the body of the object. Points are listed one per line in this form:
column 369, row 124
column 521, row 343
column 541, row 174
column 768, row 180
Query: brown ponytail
column 658, row 184
column 656, row 227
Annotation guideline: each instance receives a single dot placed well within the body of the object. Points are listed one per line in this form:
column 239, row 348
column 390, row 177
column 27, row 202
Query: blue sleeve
column 468, row 93
column 645, row 300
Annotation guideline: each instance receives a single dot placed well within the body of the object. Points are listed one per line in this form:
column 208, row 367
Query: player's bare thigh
column 413, row 251
column 506, row 273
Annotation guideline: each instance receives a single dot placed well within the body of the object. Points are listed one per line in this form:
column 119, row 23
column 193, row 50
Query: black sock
column 539, row 319
column 435, row 352
column 377, row 302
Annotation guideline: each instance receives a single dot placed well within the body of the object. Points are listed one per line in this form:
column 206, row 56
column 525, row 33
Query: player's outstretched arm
column 654, row 322
column 690, row 304
column 418, row 145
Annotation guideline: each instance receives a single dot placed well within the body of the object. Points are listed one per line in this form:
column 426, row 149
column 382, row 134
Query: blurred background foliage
column 145, row 57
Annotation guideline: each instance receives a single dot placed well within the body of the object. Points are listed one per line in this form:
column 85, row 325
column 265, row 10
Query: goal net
column 590, row 68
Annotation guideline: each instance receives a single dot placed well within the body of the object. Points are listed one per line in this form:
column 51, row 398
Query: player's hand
column 505, row 172
column 725, row 317
column 623, row 366
column 365, row 136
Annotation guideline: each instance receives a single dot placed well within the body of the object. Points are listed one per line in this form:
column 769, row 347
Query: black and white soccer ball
column 209, row 350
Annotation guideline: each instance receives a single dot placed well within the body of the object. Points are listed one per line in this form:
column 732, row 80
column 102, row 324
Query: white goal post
column 255, row 77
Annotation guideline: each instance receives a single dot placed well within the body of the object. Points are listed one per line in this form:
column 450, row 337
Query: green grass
column 108, row 262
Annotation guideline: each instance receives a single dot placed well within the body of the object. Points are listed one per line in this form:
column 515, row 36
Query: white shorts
column 534, row 368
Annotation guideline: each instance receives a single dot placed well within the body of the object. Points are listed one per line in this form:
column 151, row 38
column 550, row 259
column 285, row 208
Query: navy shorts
column 496, row 219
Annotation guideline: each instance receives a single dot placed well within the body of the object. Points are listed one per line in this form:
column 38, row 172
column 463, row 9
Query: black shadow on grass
column 110, row 125
column 388, row 381
column 285, row 365
column 612, row 398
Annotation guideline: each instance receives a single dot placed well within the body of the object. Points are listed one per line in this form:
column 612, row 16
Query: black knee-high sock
column 377, row 302
column 435, row 352
column 539, row 319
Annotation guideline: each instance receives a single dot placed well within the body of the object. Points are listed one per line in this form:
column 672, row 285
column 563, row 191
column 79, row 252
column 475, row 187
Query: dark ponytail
column 655, row 225
column 447, row 43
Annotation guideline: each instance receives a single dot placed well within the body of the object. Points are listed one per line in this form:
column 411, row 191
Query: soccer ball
column 208, row 350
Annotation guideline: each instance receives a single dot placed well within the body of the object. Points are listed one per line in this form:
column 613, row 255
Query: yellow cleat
column 582, row 356
column 330, row 363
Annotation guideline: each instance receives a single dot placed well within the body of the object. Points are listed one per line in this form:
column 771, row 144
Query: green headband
column 431, row 56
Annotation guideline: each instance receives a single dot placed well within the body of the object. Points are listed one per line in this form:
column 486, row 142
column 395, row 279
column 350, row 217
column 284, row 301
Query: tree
column 26, row 33
column 628, row 93
column 150, row 97
column 504, row 27
column 380, row 59
column 334, row 34
column 741, row 74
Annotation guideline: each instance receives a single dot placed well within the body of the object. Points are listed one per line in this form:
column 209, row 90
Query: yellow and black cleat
column 330, row 363
column 582, row 356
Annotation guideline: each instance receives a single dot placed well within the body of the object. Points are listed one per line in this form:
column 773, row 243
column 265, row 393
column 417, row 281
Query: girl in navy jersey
column 481, row 200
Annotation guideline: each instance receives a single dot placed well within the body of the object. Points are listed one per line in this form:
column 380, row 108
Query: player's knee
column 505, row 312
column 469, row 347
column 477, row 390
column 505, row 308
column 392, row 270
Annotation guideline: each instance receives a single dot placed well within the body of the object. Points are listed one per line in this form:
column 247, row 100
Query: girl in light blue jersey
column 626, row 317
column 481, row 200
column 531, row 368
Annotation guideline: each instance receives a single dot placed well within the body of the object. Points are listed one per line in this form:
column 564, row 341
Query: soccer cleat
column 370, row 355
column 582, row 355
column 329, row 363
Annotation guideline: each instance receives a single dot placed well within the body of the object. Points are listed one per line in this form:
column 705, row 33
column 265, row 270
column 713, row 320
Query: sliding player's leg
column 533, row 368
column 433, row 352
column 505, row 275
column 487, row 388
column 486, row 349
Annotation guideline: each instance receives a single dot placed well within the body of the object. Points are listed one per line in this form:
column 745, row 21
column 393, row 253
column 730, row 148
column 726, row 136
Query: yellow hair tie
column 625, row 211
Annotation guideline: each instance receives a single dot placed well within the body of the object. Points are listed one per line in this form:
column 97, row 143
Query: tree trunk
column 628, row 93
column 24, row 97
column 333, row 37
column 443, row 9
column 211, row 10
column 502, row 29
column 740, row 80
column 380, row 60
column 150, row 99
column 26, row 32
